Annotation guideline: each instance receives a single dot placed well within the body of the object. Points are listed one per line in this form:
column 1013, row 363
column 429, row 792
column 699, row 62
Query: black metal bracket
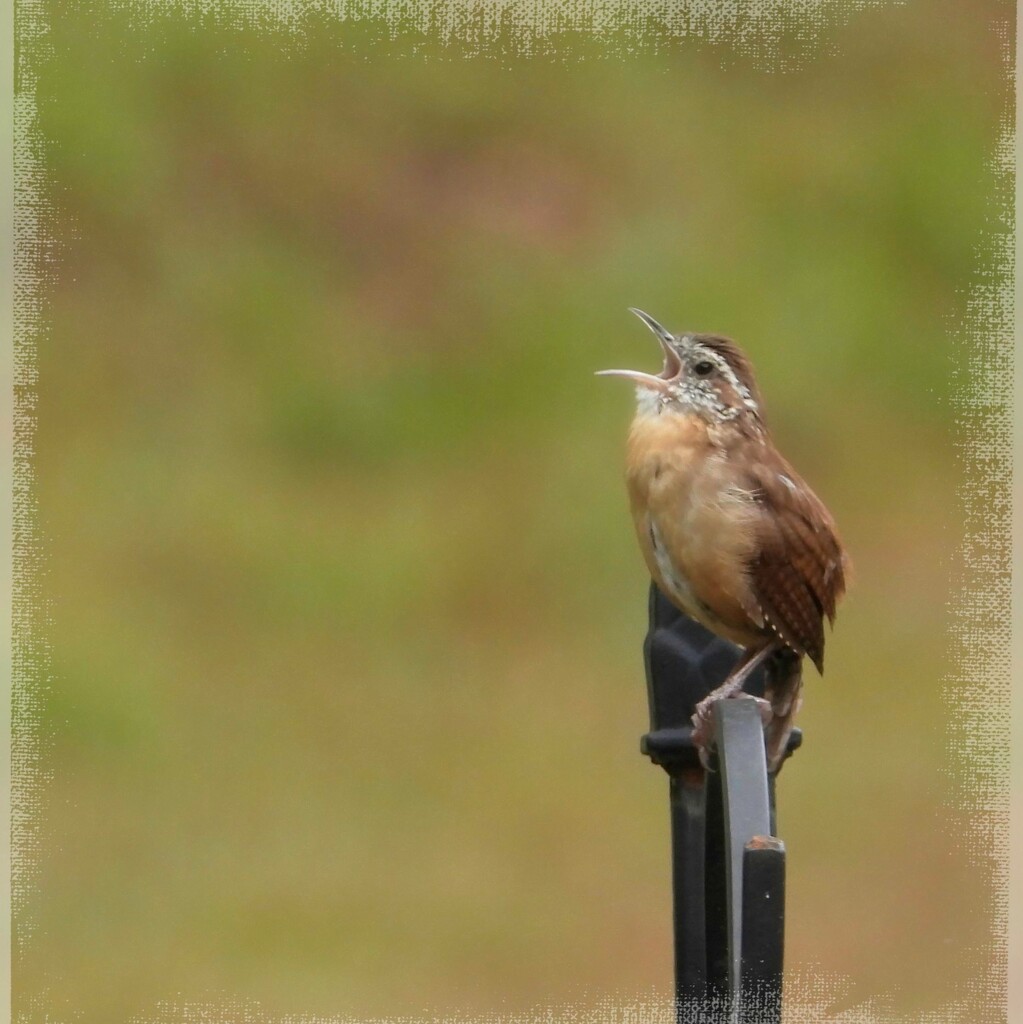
column 728, row 867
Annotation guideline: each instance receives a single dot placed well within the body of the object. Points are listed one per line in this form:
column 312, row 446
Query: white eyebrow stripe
column 787, row 482
column 722, row 364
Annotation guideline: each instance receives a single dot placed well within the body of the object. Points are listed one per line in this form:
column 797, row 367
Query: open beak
column 672, row 363
column 646, row 380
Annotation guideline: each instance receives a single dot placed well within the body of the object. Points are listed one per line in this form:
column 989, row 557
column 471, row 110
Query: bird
column 730, row 532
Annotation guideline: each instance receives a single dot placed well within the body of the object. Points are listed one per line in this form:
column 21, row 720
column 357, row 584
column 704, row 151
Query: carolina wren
column 730, row 532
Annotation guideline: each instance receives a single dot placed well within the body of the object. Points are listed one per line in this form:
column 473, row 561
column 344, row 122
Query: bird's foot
column 777, row 732
column 703, row 721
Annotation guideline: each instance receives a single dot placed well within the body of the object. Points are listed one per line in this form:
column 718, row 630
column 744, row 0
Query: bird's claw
column 703, row 723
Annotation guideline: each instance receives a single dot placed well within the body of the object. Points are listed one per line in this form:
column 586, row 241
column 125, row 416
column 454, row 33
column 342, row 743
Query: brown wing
column 798, row 573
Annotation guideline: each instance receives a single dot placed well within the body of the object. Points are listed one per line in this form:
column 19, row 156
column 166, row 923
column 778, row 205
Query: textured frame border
column 1014, row 891
column 7, row 502
column 985, row 435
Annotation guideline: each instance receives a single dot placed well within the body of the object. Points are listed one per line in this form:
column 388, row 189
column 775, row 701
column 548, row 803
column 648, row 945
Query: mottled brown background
column 344, row 611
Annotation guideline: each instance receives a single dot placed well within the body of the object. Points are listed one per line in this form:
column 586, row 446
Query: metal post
column 743, row 765
column 763, row 930
column 687, row 842
column 727, row 868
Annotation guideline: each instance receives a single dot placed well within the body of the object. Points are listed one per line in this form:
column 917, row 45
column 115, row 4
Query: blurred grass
column 346, row 609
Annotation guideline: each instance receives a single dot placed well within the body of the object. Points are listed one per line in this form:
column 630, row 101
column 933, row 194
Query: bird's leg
column 784, row 681
column 703, row 725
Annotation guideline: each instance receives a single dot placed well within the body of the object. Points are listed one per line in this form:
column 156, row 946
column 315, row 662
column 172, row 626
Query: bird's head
column 704, row 374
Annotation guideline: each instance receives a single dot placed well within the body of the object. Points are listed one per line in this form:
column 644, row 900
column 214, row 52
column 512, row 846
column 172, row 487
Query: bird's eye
column 702, row 368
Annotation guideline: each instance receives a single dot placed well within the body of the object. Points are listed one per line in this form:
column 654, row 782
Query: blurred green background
column 345, row 607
